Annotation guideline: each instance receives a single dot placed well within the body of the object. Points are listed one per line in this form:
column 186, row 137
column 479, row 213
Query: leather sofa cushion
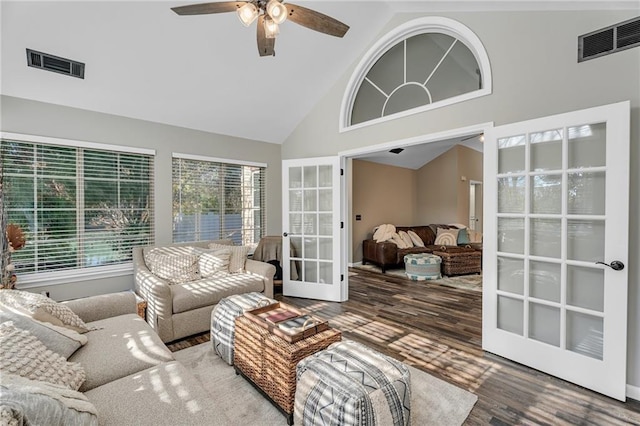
column 208, row 292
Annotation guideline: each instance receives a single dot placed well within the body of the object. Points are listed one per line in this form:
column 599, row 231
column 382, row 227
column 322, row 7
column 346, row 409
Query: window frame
column 65, row 276
column 231, row 162
column 430, row 24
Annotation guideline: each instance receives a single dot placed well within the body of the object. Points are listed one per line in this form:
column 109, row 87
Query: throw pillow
column 447, row 237
column 210, row 262
column 399, row 241
column 42, row 308
column 415, row 239
column 406, row 238
column 24, row 355
column 60, row 340
column 384, row 233
column 39, row 403
column 174, row 268
column 463, row 237
column 238, row 256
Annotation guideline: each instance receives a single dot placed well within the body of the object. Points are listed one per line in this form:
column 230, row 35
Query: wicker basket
column 459, row 260
column 270, row 362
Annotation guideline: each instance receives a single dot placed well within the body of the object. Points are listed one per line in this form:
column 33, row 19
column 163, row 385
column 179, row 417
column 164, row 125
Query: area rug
column 466, row 282
column 433, row 401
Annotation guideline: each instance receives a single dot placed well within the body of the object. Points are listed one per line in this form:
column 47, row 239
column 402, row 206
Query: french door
column 556, row 245
column 312, row 266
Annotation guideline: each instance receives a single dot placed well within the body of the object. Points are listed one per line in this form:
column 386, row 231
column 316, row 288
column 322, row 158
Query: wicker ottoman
column 460, row 260
column 351, row 384
column 422, row 266
column 223, row 319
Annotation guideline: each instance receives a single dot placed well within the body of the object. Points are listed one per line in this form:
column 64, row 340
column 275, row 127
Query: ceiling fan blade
column 315, row 20
column 206, row 8
column 266, row 46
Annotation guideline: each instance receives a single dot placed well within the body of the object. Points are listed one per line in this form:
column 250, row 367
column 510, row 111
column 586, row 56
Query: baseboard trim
column 633, row 392
column 352, row 264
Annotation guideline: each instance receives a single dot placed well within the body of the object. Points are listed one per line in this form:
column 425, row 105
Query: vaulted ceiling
column 201, row 72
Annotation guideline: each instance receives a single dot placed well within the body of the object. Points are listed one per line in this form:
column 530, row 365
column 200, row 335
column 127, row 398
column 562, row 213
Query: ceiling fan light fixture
column 277, row 11
column 271, row 29
column 247, row 14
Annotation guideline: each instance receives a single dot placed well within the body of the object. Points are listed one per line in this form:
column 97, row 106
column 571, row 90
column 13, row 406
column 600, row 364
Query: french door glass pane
column 585, row 334
column 325, row 200
column 544, row 280
column 511, row 275
column 544, row 323
column 587, row 145
column 546, row 196
column 511, row 152
column 310, row 248
column 325, row 178
column 586, row 193
column 295, row 177
column 546, row 150
column 325, row 223
column 545, row 237
column 310, row 271
column 295, row 200
column 310, row 200
column 310, row 177
column 584, row 240
column 511, row 194
column 511, row 235
column 326, row 273
column 585, row 288
column 326, row 248
column 510, row 315
column 295, row 223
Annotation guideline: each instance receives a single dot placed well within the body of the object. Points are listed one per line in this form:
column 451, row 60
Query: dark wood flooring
column 439, row 330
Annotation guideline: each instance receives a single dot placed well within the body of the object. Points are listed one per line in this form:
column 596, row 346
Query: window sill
column 29, row 281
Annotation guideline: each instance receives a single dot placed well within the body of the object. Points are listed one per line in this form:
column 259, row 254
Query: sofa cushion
column 212, row 261
column 119, row 346
column 174, row 268
column 60, row 340
column 167, row 394
column 384, row 232
column 24, row 355
column 408, row 242
column 447, row 237
column 42, row 308
column 463, row 237
column 208, row 292
column 238, row 256
column 32, row 402
column 415, row 239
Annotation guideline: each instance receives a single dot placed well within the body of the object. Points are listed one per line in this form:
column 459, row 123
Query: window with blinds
column 214, row 199
column 78, row 207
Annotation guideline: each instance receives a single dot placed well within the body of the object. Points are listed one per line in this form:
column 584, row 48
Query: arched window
column 423, row 64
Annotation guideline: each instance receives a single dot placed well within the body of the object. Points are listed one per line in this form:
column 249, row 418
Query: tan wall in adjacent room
column 438, row 189
column 381, row 194
column 469, row 168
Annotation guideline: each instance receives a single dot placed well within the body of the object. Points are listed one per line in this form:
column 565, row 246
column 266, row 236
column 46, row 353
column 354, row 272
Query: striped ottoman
column 223, row 318
column 422, row 266
column 351, row 384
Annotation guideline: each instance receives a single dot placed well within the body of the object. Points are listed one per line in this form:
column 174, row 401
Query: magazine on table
column 281, row 315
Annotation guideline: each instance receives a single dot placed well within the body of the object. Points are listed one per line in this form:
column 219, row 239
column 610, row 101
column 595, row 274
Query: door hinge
column 341, row 172
column 341, row 225
column 341, row 277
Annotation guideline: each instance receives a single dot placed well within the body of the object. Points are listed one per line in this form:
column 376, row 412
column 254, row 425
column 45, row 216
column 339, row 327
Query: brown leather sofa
column 387, row 254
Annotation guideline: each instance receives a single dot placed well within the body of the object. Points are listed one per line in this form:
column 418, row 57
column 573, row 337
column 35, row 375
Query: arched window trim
column 430, row 24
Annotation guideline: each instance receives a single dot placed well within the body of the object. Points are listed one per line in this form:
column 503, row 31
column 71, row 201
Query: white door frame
column 347, row 155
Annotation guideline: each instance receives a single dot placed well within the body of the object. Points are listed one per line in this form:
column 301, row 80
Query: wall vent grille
column 612, row 39
column 53, row 63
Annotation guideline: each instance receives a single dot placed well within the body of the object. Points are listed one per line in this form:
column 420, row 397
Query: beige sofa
column 175, row 311
column 132, row 377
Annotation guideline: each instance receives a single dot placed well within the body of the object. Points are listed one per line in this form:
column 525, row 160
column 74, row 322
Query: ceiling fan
column 269, row 13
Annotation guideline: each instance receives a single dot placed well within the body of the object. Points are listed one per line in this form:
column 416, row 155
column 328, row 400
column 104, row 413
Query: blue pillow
column 463, row 237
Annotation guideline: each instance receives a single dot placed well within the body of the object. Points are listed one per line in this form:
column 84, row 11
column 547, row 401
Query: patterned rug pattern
column 466, row 282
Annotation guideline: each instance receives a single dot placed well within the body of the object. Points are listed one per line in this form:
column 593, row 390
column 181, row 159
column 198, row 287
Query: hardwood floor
column 438, row 329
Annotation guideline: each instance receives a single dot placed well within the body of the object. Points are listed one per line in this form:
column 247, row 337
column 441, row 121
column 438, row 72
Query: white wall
column 535, row 73
column 42, row 119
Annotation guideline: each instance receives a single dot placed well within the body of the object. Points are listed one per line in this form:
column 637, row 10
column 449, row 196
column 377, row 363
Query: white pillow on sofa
column 415, row 239
column 212, row 261
column 406, row 238
column 384, row 232
column 447, row 237
column 238, row 256
column 174, row 268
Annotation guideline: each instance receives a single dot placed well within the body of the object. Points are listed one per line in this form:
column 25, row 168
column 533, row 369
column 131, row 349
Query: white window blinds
column 215, row 200
column 78, row 207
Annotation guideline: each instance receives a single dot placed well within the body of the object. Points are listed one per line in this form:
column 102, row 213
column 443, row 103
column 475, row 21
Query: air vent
column 606, row 41
column 53, row 63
